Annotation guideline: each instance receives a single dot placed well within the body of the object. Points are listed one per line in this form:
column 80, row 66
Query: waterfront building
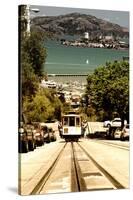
column 48, row 84
column 109, row 38
column 86, row 35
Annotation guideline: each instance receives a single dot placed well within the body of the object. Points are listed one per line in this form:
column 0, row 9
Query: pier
column 65, row 78
column 63, row 75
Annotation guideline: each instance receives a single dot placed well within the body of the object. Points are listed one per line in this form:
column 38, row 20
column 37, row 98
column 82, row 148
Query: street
column 90, row 164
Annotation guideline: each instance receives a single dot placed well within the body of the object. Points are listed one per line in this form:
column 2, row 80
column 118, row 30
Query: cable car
column 71, row 127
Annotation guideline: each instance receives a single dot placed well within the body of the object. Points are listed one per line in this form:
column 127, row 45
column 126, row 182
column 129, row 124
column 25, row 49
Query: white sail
column 87, row 61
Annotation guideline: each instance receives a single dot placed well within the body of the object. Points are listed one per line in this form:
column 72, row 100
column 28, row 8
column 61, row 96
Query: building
column 109, row 38
column 48, row 84
column 86, row 35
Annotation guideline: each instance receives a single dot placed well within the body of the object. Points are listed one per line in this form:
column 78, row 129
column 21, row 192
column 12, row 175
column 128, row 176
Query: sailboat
column 87, row 61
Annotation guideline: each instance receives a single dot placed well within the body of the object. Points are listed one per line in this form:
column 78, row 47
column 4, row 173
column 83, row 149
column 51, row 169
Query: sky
column 119, row 17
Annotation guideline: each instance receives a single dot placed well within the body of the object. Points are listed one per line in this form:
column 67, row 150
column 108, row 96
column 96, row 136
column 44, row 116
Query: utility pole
column 27, row 14
column 24, row 18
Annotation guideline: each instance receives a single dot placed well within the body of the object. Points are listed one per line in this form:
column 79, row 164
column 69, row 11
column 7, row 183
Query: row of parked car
column 34, row 135
column 115, row 131
column 122, row 134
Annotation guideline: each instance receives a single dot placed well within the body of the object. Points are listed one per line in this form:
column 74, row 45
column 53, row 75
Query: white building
column 48, row 84
column 86, row 35
column 109, row 37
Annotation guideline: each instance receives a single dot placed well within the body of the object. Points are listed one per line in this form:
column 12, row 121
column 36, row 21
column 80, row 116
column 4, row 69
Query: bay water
column 63, row 59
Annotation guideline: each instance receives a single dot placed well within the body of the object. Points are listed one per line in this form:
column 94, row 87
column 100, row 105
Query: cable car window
column 66, row 121
column 72, row 121
column 77, row 121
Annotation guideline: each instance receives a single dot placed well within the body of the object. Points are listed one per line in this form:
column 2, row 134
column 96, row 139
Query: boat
column 87, row 61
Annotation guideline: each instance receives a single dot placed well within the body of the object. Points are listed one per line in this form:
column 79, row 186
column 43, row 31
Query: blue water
column 77, row 60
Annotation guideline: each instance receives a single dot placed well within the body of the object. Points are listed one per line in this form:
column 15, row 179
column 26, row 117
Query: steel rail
column 78, row 183
column 37, row 189
column 116, row 183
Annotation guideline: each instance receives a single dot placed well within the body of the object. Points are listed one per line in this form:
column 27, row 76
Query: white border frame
column 9, row 94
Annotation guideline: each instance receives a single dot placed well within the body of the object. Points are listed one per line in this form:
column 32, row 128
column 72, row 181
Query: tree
column 42, row 106
column 29, row 82
column 36, row 53
column 36, row 103
column 108, row 89
column 39, row 109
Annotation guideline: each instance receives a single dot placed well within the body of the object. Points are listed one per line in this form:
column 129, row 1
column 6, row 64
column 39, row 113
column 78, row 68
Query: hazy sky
column 118, row 17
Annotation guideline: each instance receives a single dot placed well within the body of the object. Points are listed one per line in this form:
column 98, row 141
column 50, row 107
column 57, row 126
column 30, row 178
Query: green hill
column 76, row 23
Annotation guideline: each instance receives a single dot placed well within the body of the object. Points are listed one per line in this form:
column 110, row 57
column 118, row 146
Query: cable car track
column 37, row 189
column 85, row 173
column 78, row 183
column 116, row 184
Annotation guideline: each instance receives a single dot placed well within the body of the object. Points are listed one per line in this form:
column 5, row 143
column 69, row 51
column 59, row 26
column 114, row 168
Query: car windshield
column 116, row 120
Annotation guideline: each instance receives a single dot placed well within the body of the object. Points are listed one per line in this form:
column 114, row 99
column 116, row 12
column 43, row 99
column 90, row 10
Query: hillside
column 76, row 23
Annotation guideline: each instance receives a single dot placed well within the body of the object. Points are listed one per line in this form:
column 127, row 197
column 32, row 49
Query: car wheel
column 26, row 149
column 20, row 147
column 122, row 139
column 35, row 145
column 30, row 144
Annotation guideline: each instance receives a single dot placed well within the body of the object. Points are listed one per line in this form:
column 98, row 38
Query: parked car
column 39, row 139
column 125, row 133
column 52, row 124
column 52, row 135
column 30, row 137
column 117, row 133
column 38, row 134
column 46, row 134
column 115, row 122
column 22, row 134
column 22, row 139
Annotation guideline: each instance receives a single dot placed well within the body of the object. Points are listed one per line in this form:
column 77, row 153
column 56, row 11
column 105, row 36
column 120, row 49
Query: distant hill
column 76, row 23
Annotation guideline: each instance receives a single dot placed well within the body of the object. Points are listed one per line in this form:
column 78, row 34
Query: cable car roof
column 71, row 115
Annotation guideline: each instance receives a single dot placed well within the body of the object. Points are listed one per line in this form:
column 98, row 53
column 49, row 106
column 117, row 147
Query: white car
column 125, row 133
column 117, row 133
column 115, row 122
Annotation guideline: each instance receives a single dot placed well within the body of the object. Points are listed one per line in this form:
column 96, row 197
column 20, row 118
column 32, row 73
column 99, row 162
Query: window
column 72, row 121
column 65, row 121
column 77, row 121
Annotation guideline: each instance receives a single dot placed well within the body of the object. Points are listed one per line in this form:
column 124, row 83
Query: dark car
column 22, row 140
column 30, row 137
column 46, row 134
column 22, row 134
column 52, row 135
